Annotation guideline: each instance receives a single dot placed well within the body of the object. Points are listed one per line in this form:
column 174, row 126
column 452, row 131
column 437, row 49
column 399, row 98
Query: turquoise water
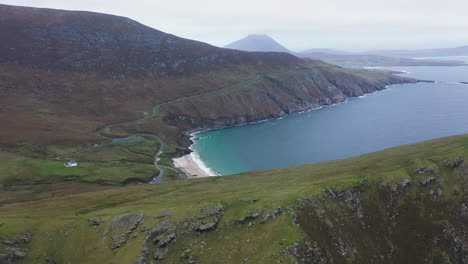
column 400, row 115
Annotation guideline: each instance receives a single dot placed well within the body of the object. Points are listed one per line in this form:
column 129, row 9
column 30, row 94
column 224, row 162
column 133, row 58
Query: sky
column 353, row 25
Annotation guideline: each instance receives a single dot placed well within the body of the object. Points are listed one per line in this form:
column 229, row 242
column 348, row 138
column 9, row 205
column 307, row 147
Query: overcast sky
column 297, row 24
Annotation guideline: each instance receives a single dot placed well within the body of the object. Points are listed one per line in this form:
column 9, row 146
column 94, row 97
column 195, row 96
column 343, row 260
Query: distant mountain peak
column 257, row 42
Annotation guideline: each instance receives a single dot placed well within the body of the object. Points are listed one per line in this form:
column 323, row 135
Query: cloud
column 298, row 24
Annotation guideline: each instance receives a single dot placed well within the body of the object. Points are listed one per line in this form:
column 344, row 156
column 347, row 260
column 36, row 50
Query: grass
column 64, row 219
column 33, row 172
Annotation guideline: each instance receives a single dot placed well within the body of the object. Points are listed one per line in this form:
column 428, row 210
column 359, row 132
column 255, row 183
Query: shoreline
column 194, row 167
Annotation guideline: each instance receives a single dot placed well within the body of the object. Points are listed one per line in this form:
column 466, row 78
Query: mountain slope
column 71, row 73
column 402, row 204
column 74, row 76
column 257, row 43
column 56, row 40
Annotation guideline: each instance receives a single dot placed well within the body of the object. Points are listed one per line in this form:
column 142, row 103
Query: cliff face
column 275, row 95
column 420, row 219
column 402, row 205
column 70, row 73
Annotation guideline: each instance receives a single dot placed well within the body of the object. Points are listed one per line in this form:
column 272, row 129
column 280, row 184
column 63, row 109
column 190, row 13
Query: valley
column 321, row 163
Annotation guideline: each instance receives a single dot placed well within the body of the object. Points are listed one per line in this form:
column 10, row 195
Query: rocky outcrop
column 94, row 221
column 211, row 217
column 454, row 163
column 121, row 228
column 272, row 96
column 273, row 215
column 249, row 218
column 425, row 170
column 158, row 240
column 385, row 222
column 14, row 250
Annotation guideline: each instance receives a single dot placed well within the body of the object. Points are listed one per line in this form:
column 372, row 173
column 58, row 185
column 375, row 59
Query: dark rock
column 454, row 164
column 12, row 256
column 307, row 253
column 248, row 218
column 464, row 211
column 122, row 226
column 13, row 250
column 353, row 201
column 425, row 170
column 143, row 256
column 383, row 184
column 344, row 247
column 331, row 193
column 206, row 227
column 159, row 253
column 215, row 211
column 186, row 254
column 439, row 192
column 457, row 246
column 94, row 221
column 426, row 182
column 162, row 234
column 405, row 183
column 273, row 215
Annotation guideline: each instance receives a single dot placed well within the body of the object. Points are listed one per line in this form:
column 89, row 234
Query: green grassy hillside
column 402, row 200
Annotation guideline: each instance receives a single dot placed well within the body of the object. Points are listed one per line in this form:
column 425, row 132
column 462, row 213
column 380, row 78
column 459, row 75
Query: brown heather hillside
column 65, row 74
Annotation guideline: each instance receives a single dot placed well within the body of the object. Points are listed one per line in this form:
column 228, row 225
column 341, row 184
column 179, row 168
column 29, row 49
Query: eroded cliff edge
column 266, row 96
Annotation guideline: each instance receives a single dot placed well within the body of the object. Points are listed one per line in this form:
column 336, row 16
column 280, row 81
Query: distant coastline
column 194, row 166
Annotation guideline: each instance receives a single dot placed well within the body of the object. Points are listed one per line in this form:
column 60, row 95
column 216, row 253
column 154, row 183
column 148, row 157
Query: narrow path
column 155, row 112
column 157, row 179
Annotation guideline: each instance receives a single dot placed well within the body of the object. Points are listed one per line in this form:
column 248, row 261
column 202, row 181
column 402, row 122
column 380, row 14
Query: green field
column 60, row 228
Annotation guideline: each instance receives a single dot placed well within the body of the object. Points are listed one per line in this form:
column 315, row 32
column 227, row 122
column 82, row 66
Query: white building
column 71, row 163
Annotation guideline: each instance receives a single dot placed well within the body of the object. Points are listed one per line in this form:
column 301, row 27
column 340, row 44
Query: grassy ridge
column 64, row 219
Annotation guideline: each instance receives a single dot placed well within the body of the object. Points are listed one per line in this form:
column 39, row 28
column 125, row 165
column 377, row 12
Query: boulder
column 162, row 234
column 454, row 163
column 160, row 253
column 426, row 182
column 94, row 221
column 425, row 170
column 206, row 227
column 122, row 226
column 464, row 211
column 406, row 182
column 215, row 211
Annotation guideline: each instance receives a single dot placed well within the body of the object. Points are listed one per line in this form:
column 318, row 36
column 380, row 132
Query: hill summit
column 257, row 42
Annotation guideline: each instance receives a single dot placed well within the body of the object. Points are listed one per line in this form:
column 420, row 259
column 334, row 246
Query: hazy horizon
column 300, row 25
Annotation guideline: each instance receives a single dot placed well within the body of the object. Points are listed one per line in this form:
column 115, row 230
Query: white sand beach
column 188, row 165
